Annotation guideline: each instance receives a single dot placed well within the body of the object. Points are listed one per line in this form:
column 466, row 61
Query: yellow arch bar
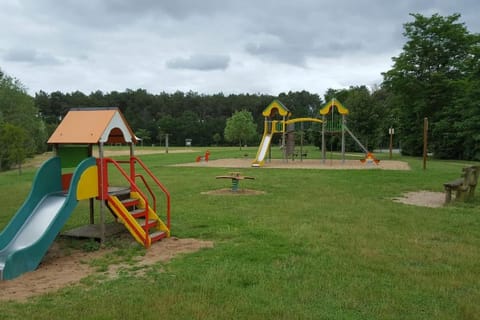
column 303, row 120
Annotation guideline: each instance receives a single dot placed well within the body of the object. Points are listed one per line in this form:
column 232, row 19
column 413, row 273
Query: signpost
column 391, row 132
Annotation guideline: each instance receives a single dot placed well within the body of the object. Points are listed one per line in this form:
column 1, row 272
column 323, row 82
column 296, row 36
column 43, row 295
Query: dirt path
column 423, row 198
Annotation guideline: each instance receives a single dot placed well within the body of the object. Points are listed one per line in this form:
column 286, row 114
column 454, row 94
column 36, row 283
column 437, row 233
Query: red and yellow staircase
column 140, row 219
column 133, row 208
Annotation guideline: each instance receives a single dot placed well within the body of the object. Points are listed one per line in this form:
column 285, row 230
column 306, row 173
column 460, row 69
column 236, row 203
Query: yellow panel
column 278, row 107
column 333, row 103
column 88, row 184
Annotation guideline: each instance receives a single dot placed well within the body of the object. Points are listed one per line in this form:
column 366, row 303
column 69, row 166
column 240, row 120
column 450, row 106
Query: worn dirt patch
column 423, row 198
column 229, row 192
column 61, row 268
column 139, row 152
column 305, row 164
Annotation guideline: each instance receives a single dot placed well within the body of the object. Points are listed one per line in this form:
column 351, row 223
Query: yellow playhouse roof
column 93, row 125
column 276, row 107
column 333, row 103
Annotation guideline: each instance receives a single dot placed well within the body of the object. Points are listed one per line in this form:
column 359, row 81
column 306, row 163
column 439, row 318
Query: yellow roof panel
column 276, row 107
column 331, row 104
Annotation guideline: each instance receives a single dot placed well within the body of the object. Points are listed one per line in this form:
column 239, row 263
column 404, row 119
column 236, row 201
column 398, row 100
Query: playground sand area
column 63, row 267
column 304, row 164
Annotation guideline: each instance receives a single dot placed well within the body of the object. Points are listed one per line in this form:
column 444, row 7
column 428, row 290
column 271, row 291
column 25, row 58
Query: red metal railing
column 158, row 183
column 133, row 187
column 131, row 179
column 154, row 198
column 134, row 176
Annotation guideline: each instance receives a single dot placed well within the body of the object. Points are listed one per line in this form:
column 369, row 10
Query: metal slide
column 262, row 150
column 27, row 237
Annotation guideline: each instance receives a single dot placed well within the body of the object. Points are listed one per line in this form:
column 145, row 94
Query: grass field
column 320, row 244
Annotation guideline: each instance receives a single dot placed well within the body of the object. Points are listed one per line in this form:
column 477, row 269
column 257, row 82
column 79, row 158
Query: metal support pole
column 284, row 147
column 344, row 123
column 301, row 141
column 324, row 156
column 92, row 211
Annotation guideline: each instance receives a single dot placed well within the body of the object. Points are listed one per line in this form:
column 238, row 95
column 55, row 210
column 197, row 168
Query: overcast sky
column 208, row 46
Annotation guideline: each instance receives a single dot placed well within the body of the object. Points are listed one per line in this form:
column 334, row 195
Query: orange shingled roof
column 92, row 126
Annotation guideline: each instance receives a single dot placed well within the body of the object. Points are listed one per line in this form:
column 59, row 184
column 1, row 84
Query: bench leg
column 460, row 195
column 448, row 195
column 471, row 192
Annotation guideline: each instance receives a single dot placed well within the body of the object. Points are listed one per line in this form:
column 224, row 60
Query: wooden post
column 166, row 142
column 425, row 142
column 391, row 132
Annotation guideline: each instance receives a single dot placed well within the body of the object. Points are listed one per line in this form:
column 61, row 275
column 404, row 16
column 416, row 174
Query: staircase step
column 156, row 236
column 151, row 223
column 120, row 192
column 130, row 202
column 137, row 213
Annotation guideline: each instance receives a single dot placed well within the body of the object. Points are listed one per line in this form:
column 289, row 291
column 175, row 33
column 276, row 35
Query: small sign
column 391, row 131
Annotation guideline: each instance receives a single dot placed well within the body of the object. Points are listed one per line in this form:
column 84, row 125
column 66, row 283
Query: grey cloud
column 296, row 50
column 102, row 37
column 109, row 14
column 32, row 56
column 200, row 62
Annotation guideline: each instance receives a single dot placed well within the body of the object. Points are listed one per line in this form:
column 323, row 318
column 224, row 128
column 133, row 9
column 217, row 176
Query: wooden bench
column 464, row 187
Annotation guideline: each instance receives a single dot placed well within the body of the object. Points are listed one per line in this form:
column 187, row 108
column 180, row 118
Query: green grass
column 320, row 244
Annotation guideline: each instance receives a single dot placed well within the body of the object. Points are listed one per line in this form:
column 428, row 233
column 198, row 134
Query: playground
column 63, row 267
column 368, row 239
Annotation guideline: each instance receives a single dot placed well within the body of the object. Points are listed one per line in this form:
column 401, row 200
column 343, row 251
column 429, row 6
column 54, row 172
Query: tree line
column 203, row 118
column 437, row 75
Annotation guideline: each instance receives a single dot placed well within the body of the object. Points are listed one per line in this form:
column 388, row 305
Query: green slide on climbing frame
column 29, row 234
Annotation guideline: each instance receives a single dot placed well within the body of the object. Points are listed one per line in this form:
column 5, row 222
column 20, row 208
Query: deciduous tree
column 240, row 127
column 427, row 78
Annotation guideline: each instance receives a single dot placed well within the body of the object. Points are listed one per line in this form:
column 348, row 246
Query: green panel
column 71, row 156
column 334, row 126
